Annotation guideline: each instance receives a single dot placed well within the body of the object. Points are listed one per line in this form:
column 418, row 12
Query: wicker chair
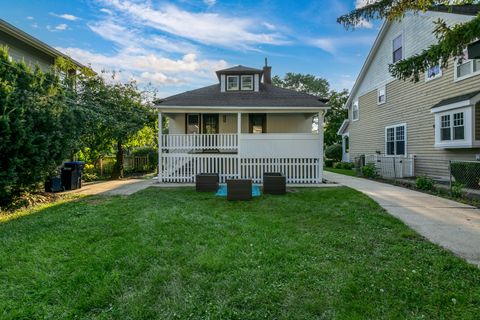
column 274, row 183
column 206, row 182
column 239, row 189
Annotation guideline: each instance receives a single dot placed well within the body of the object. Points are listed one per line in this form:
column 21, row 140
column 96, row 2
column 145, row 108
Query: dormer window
column 247, row 82
column 233, row 83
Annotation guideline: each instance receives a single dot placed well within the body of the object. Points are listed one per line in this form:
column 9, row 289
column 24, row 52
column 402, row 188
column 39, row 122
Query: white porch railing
column 182, row 168
column 192, row 142
column 393, row 166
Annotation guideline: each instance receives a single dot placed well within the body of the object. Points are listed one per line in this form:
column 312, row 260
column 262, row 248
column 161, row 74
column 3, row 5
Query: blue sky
column 177, row 45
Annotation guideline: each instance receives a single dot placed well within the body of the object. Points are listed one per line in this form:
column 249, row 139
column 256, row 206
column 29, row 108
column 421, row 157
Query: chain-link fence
column 458, row 177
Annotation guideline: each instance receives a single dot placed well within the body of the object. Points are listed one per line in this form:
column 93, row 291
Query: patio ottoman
column 239, row 189
column 274, row 183
column 206, row 182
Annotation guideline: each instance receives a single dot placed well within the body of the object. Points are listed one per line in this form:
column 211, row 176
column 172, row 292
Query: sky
column 175, row 46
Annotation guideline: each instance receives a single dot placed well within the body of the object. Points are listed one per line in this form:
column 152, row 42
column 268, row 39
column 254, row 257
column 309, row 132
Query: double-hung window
column 381, row 97
column 247, row 82
column 355, row 110
column 233, row 83
column 395, row 140
column 397, row 44
column 452, row 126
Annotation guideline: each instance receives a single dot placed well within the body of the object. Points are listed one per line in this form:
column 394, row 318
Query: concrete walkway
column 116, row 187
column 452, row 225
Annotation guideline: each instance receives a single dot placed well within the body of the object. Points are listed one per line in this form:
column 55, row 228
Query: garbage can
column 72, row 175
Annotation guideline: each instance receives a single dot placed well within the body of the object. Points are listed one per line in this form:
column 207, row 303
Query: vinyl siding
column 410, row 103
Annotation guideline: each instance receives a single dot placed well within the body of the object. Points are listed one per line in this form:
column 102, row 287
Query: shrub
column 329, row 163
column 424, row 183
column 466, row 173
column 334, row 152
column 369, row 171
column 343, row 165
column 457, row 190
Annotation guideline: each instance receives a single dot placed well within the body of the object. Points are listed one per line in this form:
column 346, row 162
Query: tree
column 452, row 40
column 319, row 87
column 335, row 116
column 305, row 83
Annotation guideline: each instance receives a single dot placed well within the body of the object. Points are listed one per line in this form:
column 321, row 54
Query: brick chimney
column 267, row 73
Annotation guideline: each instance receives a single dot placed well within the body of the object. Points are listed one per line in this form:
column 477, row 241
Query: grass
column 177, row 254
column 347, row 172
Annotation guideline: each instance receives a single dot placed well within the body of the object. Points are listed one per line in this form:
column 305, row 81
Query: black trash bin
column 72, row 175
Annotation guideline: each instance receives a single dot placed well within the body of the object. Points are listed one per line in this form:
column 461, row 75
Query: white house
column 241, row 127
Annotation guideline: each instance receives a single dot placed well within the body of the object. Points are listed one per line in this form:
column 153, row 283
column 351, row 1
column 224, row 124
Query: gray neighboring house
column 241, row 127
column 21, row 45
column 426, row 123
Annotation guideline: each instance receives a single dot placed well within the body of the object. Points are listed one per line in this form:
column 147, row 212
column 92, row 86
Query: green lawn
column 176, row 254
column 352, row 173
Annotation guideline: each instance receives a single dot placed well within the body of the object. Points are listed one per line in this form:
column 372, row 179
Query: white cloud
column 105, row 10
column 206, row 28
column 333, row 45
column 269, row 26
column 29, row 18
column 210, row 2
column 61, row 27
column 66, row 16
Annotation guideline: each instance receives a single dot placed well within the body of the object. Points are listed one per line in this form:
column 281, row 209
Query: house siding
column 276, row 123
column 410, row 103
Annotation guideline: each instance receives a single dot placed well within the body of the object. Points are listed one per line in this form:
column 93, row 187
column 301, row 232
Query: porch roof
column 268, row 97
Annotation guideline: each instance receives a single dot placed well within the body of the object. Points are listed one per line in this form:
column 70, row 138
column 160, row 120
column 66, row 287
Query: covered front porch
column 242, row 144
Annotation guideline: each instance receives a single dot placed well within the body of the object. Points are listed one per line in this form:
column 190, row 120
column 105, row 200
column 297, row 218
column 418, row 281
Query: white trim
column 468, row 124
column 235, row 109
column 394, row 140
column 465, row 103
column 384, row 88
column 342, row 127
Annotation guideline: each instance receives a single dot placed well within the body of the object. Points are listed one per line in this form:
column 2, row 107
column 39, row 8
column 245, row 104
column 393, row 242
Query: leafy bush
column 424, row 183
column 334, row 152
column 369, row 171
column 38, row 127
column 466, row 173
column 329, row 163
column 343, row 165
column 457, row 190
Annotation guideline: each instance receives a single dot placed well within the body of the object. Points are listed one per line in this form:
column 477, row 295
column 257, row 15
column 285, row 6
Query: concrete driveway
column 124, row 187
column 452, row 225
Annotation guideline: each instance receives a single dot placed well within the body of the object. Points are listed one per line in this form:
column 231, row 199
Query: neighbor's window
column 395, row 140
column 397, row 49
column 452, row 126
column 247, row 82
column 233, row 83
column 433, row 72
column 465, row 67
column 445, row 128
column 381, row 95
column 355, row 110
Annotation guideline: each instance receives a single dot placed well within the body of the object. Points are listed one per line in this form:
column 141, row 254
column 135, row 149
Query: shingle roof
column 268, row 96
column 240, row 68
column 459, row 98
column 465, row 9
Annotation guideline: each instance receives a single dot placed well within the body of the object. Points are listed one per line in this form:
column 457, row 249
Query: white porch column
column 160, row 142
column 320, row 136
column 239, row 132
